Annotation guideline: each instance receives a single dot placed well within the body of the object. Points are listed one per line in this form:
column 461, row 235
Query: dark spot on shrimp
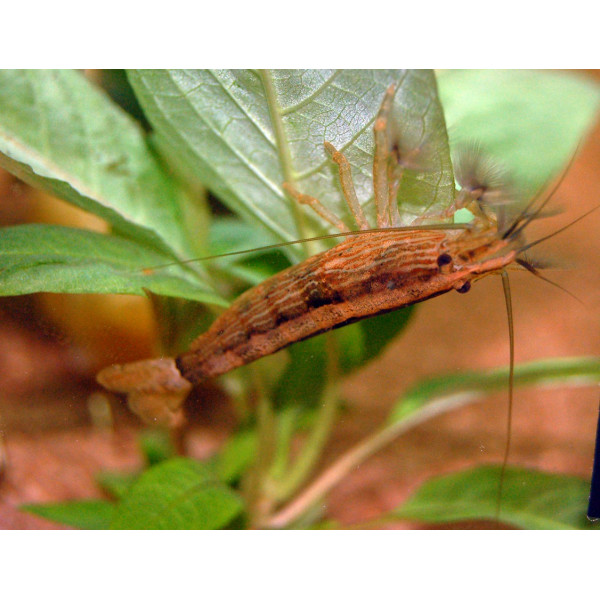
column 281, row 318
column 318, row 295
column 444, row 259
column 289, row 312
column 464, row 288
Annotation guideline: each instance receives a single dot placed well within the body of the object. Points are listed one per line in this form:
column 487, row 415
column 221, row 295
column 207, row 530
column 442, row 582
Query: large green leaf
column 530, row 499
column 50, row 258
column 83, row 514
column 531, row 121
column 244, row 133
column 60, row 133
column 177, row 494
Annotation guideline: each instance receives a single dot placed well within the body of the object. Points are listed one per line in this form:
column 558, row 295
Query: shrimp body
column 365, row 275
column 361, row 277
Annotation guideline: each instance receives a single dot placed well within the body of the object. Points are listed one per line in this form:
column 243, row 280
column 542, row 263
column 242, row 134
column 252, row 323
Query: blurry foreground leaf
column 531, row 121
column 530, row 500
column 82, row 514
column 177, row 494
column 116, row 483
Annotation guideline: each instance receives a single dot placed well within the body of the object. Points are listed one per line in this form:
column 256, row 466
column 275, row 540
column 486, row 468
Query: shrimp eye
column 464, row 288
column 444, row 259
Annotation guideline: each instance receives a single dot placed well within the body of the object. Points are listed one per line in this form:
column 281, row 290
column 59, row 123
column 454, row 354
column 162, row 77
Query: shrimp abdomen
column 359, row 278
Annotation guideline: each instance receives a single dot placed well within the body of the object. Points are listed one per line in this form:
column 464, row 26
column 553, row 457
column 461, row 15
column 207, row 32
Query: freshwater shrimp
column 372, row 271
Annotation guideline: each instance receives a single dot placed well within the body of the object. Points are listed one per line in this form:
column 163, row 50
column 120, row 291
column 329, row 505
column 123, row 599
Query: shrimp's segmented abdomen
column 360, row 277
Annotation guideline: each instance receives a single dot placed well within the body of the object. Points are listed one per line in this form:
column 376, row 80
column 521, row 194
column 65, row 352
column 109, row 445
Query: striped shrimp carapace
column 361, row 277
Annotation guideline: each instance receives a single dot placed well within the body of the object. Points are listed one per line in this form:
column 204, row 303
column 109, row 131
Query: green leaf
column 58, row 132
column 177, row 494
column 82, row 514
column 236, row 455
column 51, row 258
column 246, row 132
column 531, row 121
column 530, row 499
column 445, row 393
column 231, row 234
column 156, row 445
column 116, row 483
column 379, row 331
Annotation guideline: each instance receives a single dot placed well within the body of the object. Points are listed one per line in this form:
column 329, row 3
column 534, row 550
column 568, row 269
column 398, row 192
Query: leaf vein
column 243, row 160
column 309, row 98
column 243, row 109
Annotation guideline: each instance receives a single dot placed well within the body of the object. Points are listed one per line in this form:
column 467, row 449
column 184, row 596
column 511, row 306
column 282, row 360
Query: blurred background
column 57, row 432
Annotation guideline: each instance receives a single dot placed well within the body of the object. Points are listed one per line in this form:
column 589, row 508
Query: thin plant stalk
column 313, row 447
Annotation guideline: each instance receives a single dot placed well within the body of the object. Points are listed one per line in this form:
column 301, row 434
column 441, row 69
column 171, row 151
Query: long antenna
column 519, row 224
column 328, row 236
column 535, row 272
column 550, row 235
column 511, row 384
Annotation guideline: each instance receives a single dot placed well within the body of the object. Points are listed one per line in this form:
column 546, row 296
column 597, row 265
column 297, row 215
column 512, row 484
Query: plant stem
column 258, row 503
column 313, row 446
column 237, row 389
column 283, row 148
column 311, row 451
column 351, row 459
column 286, row 427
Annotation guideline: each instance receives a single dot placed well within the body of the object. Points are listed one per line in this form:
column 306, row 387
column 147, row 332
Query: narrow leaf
column 50, row 258
column 531, row 121
column 82, row 514
column 246, row 132
column 177, row 494
column 442, row 394
column 531, row 499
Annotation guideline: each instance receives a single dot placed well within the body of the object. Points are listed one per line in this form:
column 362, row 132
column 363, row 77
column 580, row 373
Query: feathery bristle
column 477, row 172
